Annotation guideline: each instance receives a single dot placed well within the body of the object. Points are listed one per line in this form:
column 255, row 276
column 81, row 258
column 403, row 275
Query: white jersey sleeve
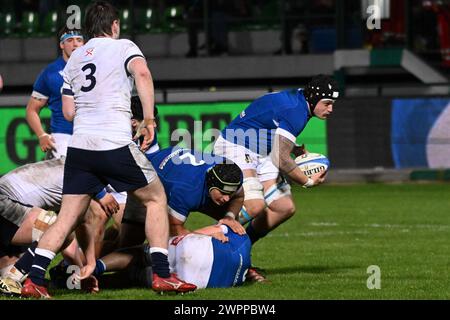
column 98, row 77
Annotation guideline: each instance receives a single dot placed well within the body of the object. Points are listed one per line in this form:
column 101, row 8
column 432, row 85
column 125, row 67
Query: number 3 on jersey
column 89, row 70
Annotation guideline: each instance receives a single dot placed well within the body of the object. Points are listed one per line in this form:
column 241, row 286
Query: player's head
column 223, row 180
column 69, row 40
column 102, row 19
column 136, row 109
column 321, row 93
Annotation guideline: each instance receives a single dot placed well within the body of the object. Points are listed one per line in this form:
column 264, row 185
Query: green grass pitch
column 324, row 251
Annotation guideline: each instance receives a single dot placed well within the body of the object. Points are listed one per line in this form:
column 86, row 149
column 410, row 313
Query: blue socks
column 100, row 268
column 160, row 264
column 41, row 262
column 25, row 262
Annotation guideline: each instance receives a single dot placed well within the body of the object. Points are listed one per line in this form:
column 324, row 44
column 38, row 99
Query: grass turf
column 324, row 251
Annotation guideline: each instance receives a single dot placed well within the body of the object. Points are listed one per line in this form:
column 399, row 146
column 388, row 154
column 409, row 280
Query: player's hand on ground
column 47, row 142
column 233, row 224
column 220, row 236
column 90, row 284
column 109, row 204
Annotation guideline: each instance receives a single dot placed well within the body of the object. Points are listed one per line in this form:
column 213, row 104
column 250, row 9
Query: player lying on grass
column 211, row 257
column 260, row 141
column 30, row 196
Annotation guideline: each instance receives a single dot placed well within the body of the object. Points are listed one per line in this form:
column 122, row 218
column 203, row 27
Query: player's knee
column 289, row 210
column 254, row 207
column 284, row 208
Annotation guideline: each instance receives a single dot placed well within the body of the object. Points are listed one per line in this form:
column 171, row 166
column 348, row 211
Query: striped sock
column 41, row 262
column 25, row 262
column 100, row 268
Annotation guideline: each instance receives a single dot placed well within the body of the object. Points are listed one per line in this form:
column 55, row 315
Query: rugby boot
column 171, row 284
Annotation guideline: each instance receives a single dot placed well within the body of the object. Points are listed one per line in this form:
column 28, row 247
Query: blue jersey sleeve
column 41, row 85
column 178, row 203
column 291, row 124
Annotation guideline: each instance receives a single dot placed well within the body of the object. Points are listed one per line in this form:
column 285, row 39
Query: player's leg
column 154, row 199
column 35, row 223
column 8, row 256
column 72, row 210
column 253, row 194
column 278, row 199
column 131, row 233
column 280, row 208
column 248, row 162
column 141, row 182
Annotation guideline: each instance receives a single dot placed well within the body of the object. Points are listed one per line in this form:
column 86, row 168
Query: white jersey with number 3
column 98, row 78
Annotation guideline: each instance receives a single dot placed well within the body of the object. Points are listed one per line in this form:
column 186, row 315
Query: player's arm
column 68, row 107
column 1, row 83
column 176, row 227
column 218, row 232
column 68, row 101
column 282, row 148
column 234, row 207
column 144, row 86
column 34, row 107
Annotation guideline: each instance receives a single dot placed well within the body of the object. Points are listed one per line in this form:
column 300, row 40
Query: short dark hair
column 99, row 18
column 136, row 109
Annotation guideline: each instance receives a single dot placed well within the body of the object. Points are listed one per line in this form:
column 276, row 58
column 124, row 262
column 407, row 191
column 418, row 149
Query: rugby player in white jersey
column 98, row 80
column 29, row 197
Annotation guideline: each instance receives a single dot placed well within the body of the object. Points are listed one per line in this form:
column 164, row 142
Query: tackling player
column 192, row 185
column 211, row 257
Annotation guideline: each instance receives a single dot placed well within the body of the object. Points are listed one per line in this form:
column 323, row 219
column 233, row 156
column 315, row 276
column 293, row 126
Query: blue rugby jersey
column 286, row 111
column 183, row 175
column 48, row 85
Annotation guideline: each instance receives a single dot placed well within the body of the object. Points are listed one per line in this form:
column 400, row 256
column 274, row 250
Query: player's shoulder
column 290, row 99
column 126, row 43
column 55, row 66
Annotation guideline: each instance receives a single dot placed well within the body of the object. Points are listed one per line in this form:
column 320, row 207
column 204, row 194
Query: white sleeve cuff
column 176, row 215
column 286, row 134
column 38, row 95
column 224, row 228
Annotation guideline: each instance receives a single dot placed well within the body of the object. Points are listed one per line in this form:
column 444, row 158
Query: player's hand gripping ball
column 312, row 163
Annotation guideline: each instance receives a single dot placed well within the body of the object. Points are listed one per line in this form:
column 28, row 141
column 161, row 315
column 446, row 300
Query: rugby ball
column 312, row 163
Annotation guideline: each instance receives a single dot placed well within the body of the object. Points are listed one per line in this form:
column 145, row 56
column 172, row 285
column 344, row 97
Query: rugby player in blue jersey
column 211, row 257
column 47, row 91
column 260, row 141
